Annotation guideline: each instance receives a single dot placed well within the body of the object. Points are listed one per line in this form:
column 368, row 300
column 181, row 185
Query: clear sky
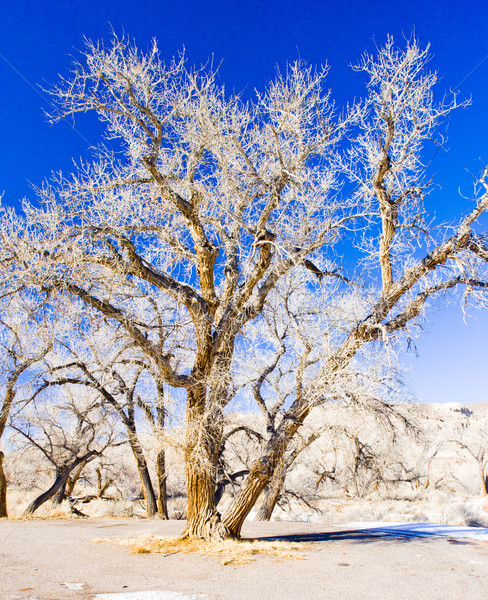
column 38, row 40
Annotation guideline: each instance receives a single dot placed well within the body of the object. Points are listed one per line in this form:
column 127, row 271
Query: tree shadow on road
column 363, row 536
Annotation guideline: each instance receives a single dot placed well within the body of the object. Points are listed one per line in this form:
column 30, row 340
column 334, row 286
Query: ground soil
column 38, row 558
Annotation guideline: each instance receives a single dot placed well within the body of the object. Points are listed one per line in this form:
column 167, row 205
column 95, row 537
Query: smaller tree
column 126, row 382
column 473, row 441
column 69, row 433
column 23, row 343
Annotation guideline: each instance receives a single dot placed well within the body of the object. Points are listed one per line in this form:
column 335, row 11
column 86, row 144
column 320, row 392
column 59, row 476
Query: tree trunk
column 484, row 482
column 162, row 494
column 147, row 487
column 203, row 519
column 234, row 517
column 66, row 489
column 62, row 475
column 263, row 469
column 101, row 486
column 60, row 495
column 3, row 489
column 72, row 480
column 203, row 436
column 60, row 481
column 161, row 457
column 272, row 494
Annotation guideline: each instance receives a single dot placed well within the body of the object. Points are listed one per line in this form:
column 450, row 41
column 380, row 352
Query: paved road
column 39, row 558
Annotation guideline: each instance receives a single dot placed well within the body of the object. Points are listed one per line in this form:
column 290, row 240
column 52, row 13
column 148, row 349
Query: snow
column 74, row 586
column 476, row 504
column 448, row 405
column 422, row 530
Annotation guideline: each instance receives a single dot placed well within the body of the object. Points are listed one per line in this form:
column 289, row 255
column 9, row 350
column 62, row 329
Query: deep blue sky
column 38, row 39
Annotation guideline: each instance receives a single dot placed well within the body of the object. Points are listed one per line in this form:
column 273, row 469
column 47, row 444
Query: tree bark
column 147, row 487
column 161, row 457
column 203, row 436
column 259, row 476
column 60, row 495
column 72, row 480
column 101, row 486
column 203, row 519
column 162, row 492
column 62, row 475
column 60, row 481
column 272, row 494
column 484, row 482
column 3, row 489
column 66, row 489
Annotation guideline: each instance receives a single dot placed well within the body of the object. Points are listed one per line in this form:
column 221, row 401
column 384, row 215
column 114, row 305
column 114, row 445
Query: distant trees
column 116, row 384
column 183, row 243
column 69, row 433
column 91, row 358
column 24, row 341
column 472, row 442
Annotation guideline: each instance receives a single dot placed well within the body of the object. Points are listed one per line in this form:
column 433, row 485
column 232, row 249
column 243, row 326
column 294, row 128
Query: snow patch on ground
column 423, row 530
column 151, row 595
column 74, row 586
column 478, row 504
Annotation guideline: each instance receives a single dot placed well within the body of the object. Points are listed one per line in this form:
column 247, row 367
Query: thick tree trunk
column 162, row 493
column 203, row 436
column 203, row 519
column 272, row 494
column 259, row 476
column 3, row 489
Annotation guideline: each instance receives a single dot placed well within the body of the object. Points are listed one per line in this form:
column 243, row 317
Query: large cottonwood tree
column 180, row 240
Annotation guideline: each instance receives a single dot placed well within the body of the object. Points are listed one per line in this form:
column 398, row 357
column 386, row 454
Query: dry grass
column 50, row 517
column 230, row 552
column 434, row 508
column 18, row 502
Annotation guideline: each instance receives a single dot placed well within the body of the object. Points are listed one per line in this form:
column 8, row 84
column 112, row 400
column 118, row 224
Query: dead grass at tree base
column 42, row 517
column 230, row 552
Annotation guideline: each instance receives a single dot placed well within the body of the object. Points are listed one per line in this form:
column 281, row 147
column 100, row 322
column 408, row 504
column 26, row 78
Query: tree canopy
column 200, row 206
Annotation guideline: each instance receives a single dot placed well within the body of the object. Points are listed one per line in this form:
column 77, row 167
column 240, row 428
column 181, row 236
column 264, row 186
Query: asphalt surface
column 58, row 560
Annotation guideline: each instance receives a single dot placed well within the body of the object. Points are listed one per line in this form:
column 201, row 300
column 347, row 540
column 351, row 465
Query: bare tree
column 117, row 385
column 23, row 343
column 182, row 242
column 385, row 162
column 69, row 433
column 473, row 441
